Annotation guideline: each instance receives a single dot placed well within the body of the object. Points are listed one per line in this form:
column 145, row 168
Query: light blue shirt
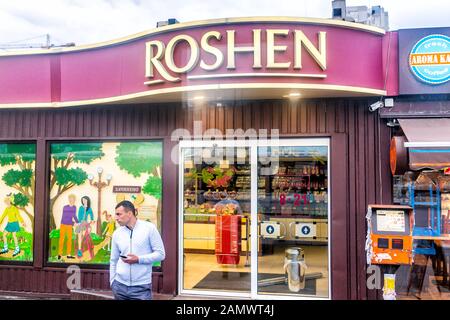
column 143, row 241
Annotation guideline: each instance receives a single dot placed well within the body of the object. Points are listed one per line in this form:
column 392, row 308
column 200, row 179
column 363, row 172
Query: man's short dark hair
column 127, row 205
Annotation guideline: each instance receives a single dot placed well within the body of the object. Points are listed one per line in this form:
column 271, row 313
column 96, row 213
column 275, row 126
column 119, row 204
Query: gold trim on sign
column 149, row 83
column 203, row 23
column 208, row 87
column 238, row 75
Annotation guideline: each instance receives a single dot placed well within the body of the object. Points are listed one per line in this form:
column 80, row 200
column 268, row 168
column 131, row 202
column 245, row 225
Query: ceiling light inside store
column 198, row 98
column 293, row 95
column 206, row 153
column 241, row 154
column 224, row 164
column 188, row 164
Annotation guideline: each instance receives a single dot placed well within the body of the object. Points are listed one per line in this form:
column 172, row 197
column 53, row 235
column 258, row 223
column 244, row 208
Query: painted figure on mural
column 84, row 228
column 14, row 218
column 109, row 229
column 69, row 217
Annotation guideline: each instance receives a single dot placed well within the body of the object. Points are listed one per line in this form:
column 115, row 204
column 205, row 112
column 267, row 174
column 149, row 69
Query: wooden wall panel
column 360, row 143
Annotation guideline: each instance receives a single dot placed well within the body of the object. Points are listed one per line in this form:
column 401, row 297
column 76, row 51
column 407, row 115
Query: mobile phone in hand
column 122, row 256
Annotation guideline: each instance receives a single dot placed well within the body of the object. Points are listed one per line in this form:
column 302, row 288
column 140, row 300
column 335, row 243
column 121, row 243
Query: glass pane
column 293, row 221
column 427, row 278
column 216, row 202
column 17, row 172
column 87, row 180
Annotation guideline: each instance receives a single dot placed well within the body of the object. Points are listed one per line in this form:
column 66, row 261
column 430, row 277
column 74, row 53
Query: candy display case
column 216, row 203
column 296, row 194
column 228, row 232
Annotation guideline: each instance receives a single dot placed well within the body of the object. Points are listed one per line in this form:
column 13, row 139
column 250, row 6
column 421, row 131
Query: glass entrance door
column 216, row 185
column 254, row 218
column 292, row 215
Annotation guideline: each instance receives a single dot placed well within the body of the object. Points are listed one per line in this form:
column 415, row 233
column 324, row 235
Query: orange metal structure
column 391, row 234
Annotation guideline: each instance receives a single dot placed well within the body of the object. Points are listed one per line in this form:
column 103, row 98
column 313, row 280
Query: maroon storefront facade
column 120, row 92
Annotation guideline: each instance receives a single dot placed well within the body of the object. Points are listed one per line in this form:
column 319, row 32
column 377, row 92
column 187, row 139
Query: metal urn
column 295, row 268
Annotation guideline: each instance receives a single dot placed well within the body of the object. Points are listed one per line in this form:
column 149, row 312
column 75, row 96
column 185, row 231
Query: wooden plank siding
column 359, row 175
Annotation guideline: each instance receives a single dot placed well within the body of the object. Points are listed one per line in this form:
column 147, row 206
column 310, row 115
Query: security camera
column 376, row 105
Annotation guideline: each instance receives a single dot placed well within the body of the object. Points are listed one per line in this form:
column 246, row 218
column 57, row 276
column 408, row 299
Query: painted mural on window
column 17, row 189
column 87, row 180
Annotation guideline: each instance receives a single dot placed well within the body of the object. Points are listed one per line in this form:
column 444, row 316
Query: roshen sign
column 160, row 56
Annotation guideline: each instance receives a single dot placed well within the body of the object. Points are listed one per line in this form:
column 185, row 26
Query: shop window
column 293, row 209
column 428, row 193
column 17, row 187
column 283, row 196
column 216, row 214
column 337, row 12
column 87, row 180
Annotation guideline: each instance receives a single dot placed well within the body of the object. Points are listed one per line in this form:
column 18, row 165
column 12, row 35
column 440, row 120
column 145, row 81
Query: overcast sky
column 91, row 21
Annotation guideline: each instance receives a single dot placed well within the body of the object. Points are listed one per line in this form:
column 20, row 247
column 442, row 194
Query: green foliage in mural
column 137, row 158
column 54, row 234
column 11, row 153
column 102, row 256
column 20, row 200
column 96, row 238
column 26, row 243
column 153, row 187
column 22, row 155
column 25, row 240
column 62, row 176
column 77, row 152
column 21, row 178
column 66, row 176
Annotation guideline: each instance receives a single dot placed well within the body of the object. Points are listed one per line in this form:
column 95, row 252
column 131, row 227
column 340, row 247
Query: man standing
column 138, row 244
column 69, row 216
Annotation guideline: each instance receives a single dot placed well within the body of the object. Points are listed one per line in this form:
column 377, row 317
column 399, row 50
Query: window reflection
column 428, row 193
column 216, row 212
column 293, row 219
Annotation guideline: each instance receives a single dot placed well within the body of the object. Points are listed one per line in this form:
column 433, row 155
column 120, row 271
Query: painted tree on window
column 62, row 175
column 21, row 178
column 139, row 158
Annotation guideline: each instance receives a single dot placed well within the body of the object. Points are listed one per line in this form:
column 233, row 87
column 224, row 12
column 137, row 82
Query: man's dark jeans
column 123, row 292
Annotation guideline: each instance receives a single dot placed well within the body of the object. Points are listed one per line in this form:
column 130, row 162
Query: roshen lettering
column 157, row 52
